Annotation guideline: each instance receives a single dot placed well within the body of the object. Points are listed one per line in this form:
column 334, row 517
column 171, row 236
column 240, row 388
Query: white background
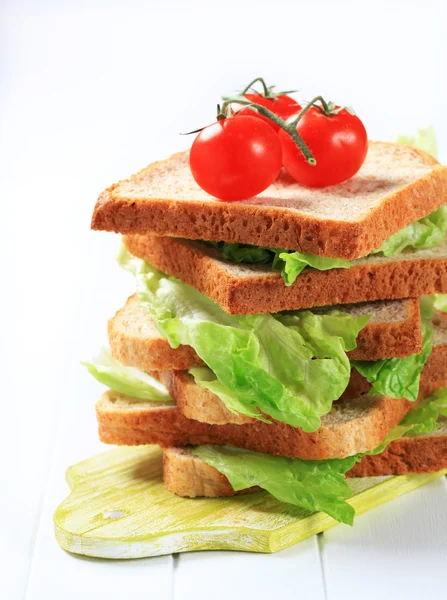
column 89, row 93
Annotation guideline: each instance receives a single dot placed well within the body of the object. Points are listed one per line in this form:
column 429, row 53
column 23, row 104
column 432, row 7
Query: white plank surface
column 251, row 575
column 90, row 92
column 399, row 546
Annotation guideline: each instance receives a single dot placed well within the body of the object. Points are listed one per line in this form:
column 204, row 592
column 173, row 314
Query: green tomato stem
column 251, row 84
column 289, row 128
column 313, row 102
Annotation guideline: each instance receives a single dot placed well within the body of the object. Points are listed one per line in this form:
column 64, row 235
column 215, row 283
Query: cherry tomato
column 236, row 158
column 338, row 142
column 284, row 106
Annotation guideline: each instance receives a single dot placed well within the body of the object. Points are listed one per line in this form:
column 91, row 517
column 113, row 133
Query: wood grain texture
column 119, row 508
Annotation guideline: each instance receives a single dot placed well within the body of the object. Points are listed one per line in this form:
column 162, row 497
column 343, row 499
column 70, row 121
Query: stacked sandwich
column 281, row 342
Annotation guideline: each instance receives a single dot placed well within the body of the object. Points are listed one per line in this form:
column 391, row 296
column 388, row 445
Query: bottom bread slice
column 187, row 475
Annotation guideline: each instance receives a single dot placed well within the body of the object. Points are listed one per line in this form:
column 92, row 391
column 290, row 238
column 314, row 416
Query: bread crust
column 186, row 475
column 421, row 454
column 135, row 341
column 255, row 290
column 189, row 476
column 163, row 199
column 122, row 422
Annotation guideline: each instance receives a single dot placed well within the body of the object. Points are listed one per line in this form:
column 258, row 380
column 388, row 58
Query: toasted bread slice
column 353, row 425
column 245, row 289
column 187, row 475
column 396, row 185
column 394, row 330
column 202, row 405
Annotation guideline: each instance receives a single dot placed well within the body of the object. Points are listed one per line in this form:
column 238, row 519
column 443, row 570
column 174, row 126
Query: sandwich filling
column 316, row 485
column 424, row 234
column 289, row 367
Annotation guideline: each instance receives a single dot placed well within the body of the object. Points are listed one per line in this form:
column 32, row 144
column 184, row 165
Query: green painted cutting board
column 119, row 508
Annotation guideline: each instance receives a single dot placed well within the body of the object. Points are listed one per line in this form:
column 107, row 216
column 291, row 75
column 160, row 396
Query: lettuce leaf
column 127, row 380
column 440, row 302
column 428, row 232
column 290, row 264
column 316, row 485
column 244, row 253
column 423, row 418
column 430, row 303
column 425, row 139
column 289, row 367
column 427, row 306
column 398, row 377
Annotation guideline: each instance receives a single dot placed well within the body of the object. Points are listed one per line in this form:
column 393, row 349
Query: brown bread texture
column 396, row 185
column 202, row 405
column 410, row 454
column 253, row 289
column 189, row 476
column 186, row 475
column 353, row 425
column 394, row 330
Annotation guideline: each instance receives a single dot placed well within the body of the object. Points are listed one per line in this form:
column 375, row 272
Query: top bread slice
column 396, row 185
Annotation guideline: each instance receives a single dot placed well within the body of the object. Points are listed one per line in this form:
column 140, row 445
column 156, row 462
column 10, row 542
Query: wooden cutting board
column 119, row 508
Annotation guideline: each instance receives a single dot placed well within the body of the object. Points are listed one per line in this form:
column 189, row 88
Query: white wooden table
column 81, row 105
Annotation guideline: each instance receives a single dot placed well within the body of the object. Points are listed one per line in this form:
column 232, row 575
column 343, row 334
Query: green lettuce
column 244, row 253
column 289, row 367
column 398, row 377
column 290, row 264
column 126, row 380
column 440, row 302
column 316, row 485
column 429, row 303
column 424, row 139
column 424, row 416
column 428, row 232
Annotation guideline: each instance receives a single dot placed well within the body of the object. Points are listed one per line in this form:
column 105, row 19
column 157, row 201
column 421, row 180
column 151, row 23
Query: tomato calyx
column 222, row 113
column 267, row 91
column 326, row 108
